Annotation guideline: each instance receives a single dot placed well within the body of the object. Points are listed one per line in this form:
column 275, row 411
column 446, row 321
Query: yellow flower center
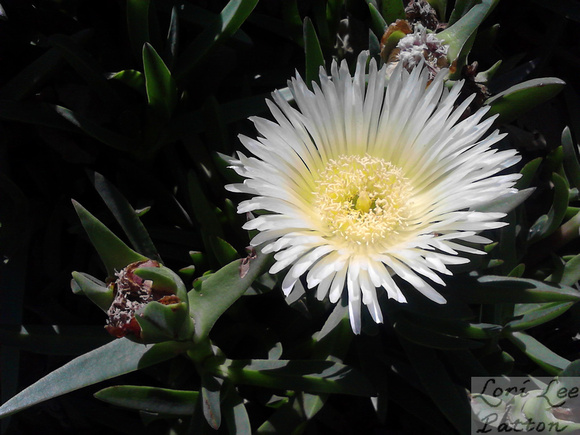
column 362, row 199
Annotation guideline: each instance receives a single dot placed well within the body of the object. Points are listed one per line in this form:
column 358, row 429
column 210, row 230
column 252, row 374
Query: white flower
column 366, row 182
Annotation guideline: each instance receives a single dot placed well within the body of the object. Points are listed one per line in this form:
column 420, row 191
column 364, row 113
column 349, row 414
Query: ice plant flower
column 365, row 184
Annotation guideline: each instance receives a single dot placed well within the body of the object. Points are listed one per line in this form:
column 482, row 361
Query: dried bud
column 150, row 304
column 419, row 46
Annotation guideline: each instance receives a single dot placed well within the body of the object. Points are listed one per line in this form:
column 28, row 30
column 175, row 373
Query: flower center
column 362, row 199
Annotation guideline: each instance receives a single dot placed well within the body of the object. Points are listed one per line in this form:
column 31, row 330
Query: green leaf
column 549, row 223
column 391, row 10
column 114, row 253
column 498, row 289
column 540, row 354
column 520, row 98
column 459, row 33
column 378, row 23
column 312, row 376
column 447, row 396
column 460, row 8
column 571, row 273
column 214, row 295
column 538, row 315
column 235, row 413
column 150, row 399
column 229, row 20
column 138, row 24
column 114, row 359
column 210, row 393
column 161, row 88
column 172, row 43
column 572, row 370
column 96, row 290
column 528, row 172
column 126, row 216
column 505, row 203
column 314, row 56
column 571, row 164
column 132, row 78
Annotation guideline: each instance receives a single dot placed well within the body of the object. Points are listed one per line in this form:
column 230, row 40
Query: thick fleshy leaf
column 522, row 97
column 306, row 375
column 571, row 272
column 114, row 253
column 538, row 315
column 229, row 20
column 113, row 359
column 211, row 297
column 570, row 161
column 125, row 215
column 97, row 291
column 458, row 34
column 378, row 23
column 210, row 393
column 528, row 172
column 132, row 78
column 313, row 52
column 160, row 86
column 499, row 289
column 138, row 24
column 547, row 224
column 392, row 10
column 150, row 399
column 235, row 413
column 540, row 354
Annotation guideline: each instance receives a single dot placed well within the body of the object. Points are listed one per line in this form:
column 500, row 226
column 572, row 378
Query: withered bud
column 131, row 294
column 421, row 12
column 391, row 38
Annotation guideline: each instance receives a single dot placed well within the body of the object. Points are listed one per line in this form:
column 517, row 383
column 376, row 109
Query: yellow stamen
column 362, row 199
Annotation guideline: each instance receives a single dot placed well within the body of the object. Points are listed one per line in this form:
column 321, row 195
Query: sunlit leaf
column 161, row 88
column 541, row 314
column 540, row 354
column 214, row 295
column 116, row 358
column 522, row 97
column 459, row 33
